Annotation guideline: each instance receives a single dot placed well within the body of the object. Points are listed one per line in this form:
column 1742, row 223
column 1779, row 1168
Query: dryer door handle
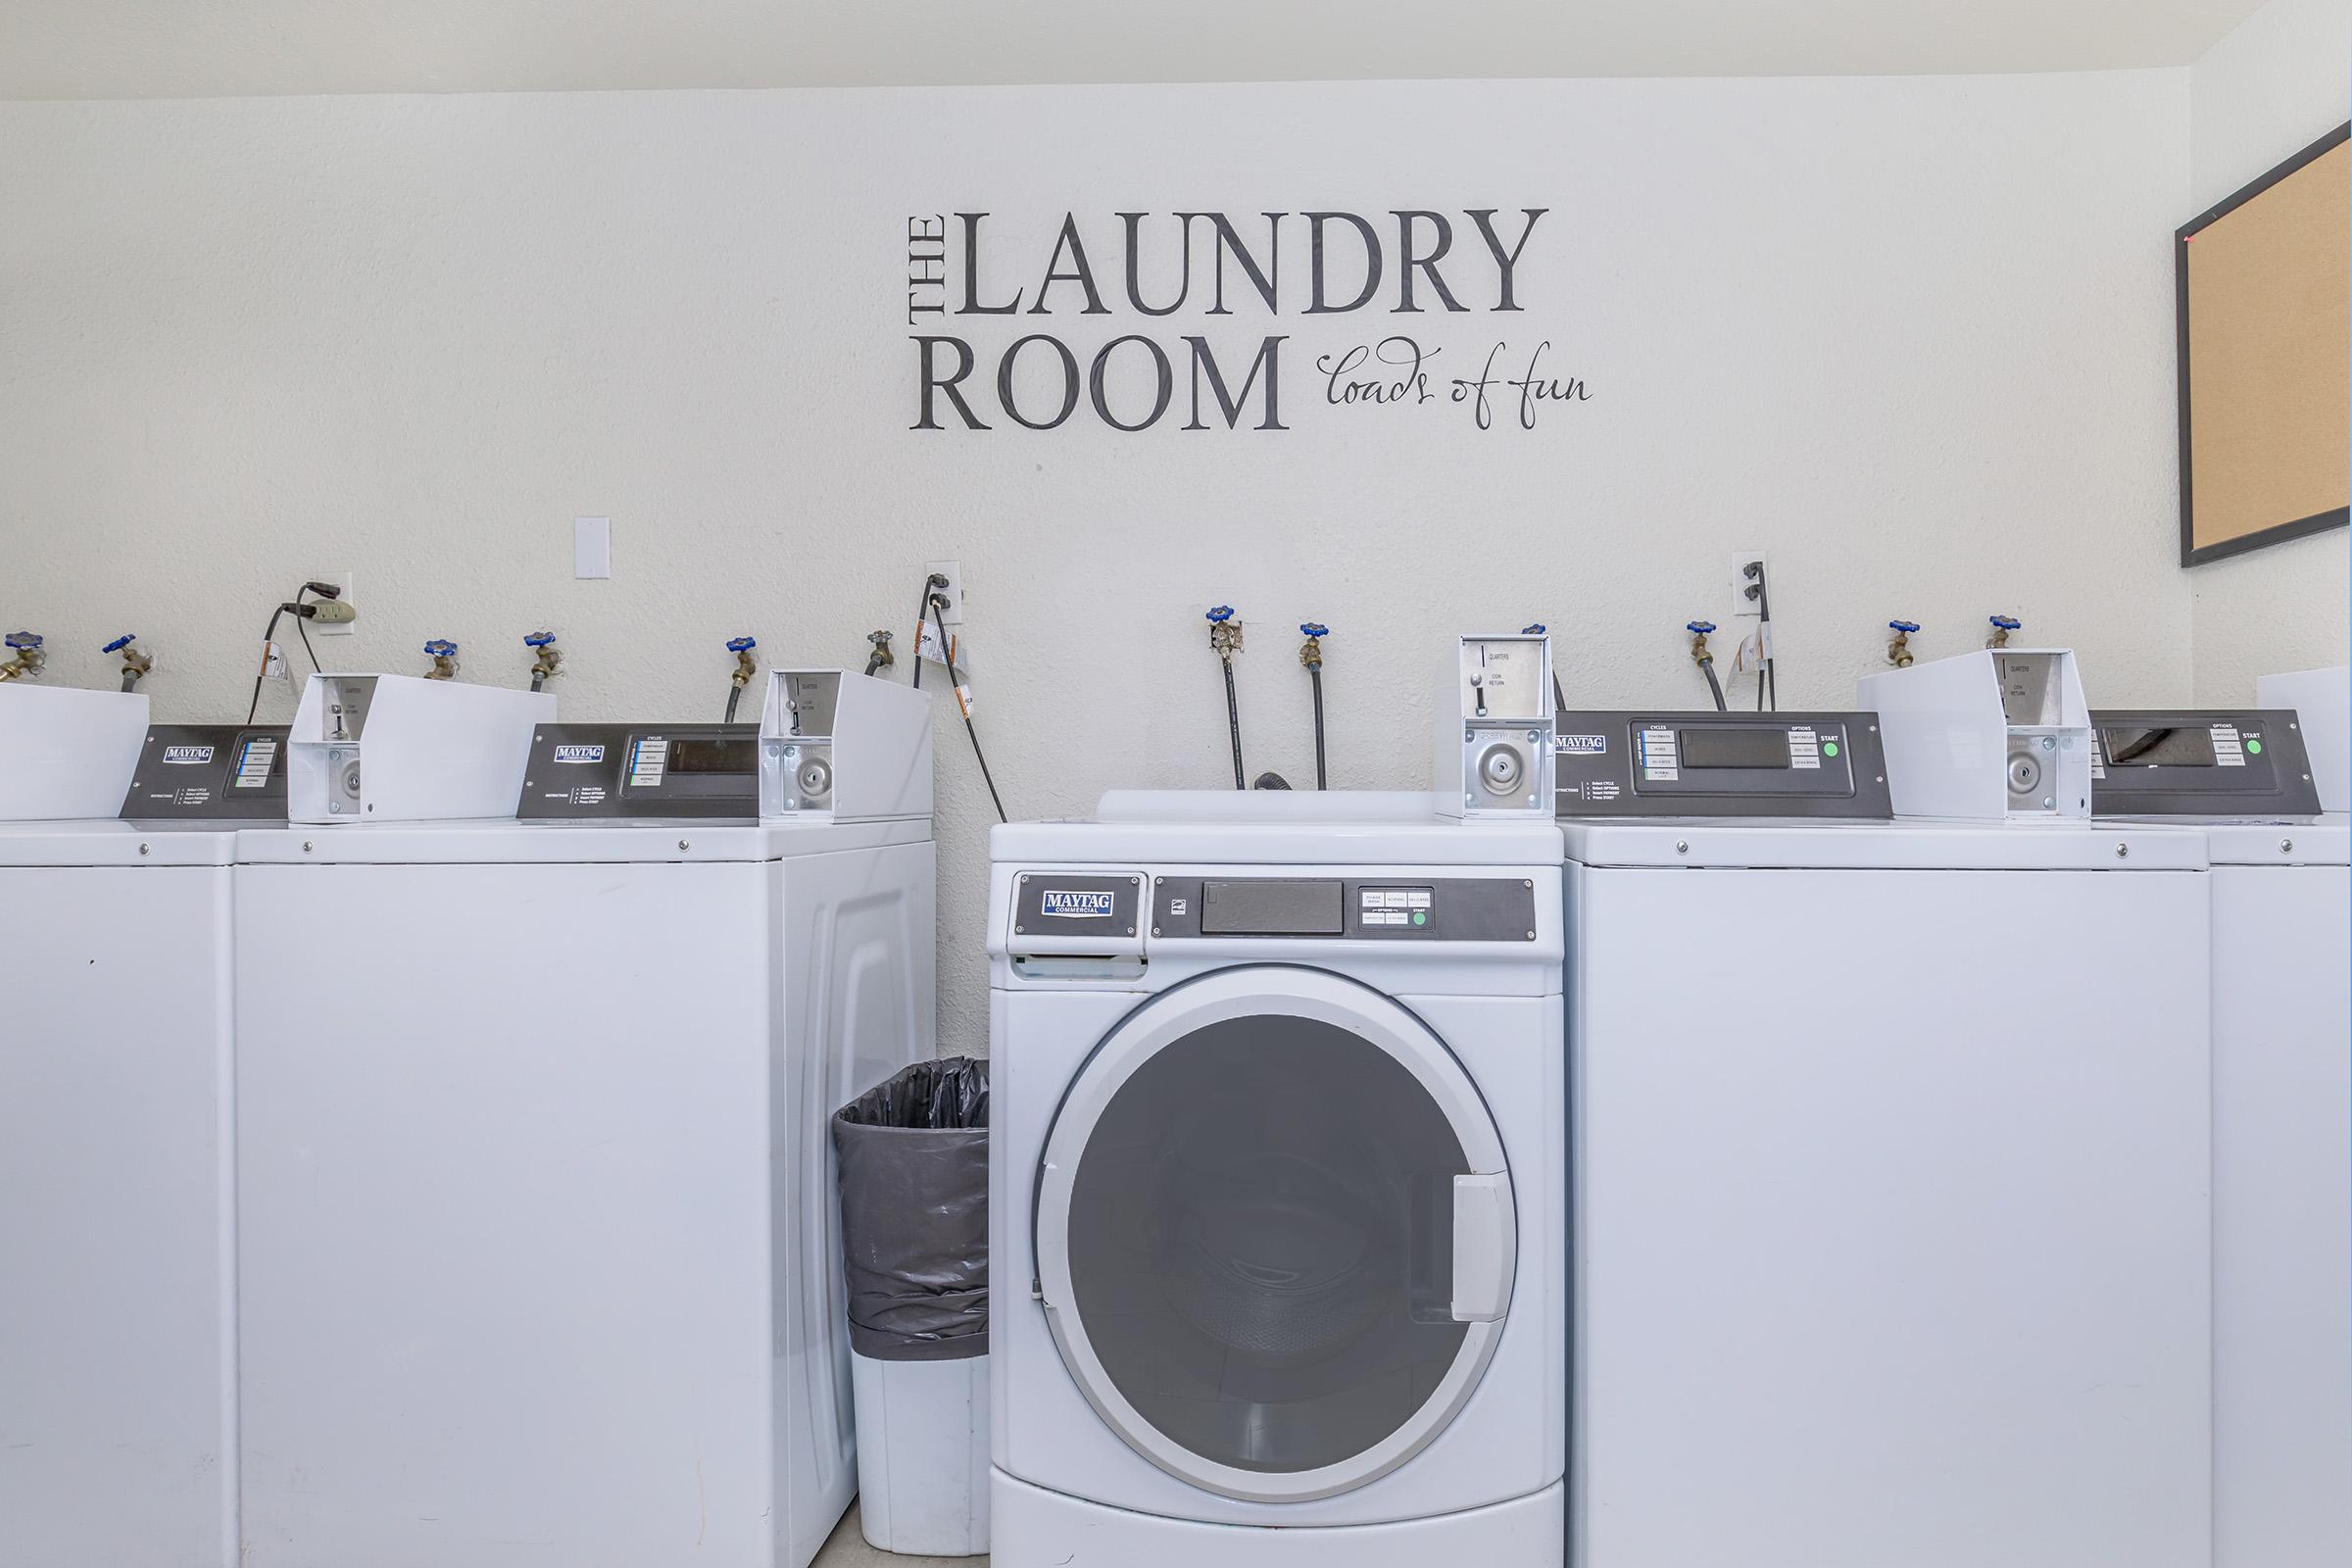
column 1486, row 1246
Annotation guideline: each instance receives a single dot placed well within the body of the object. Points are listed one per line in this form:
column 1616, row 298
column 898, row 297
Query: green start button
column 1829, row 748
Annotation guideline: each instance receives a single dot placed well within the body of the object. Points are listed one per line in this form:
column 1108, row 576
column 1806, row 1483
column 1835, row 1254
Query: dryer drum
column 1276, row 1258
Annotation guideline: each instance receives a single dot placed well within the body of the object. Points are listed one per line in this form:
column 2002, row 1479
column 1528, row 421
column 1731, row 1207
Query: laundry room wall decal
column 973, row 280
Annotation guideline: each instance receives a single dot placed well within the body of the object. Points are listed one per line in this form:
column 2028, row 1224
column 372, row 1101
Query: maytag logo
column 187, row 754
column 579, row 754
column 1069, row 905
column 1583, row 745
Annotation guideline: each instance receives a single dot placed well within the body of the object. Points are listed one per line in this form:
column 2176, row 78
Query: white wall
column 1912, row 336
column 2278, row 82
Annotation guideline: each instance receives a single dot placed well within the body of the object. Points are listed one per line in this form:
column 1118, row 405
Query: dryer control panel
column 2177, row 762
column 605, row 773
column 210, row 773
column 1383, row 908
column 1819, row 764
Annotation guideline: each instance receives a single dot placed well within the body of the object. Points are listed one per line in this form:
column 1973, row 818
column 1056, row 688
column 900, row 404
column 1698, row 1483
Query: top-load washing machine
column 537, row 1238
column 118, row 1434
column 1889, row 1145
column 1276, row 1186
column 2265, row 785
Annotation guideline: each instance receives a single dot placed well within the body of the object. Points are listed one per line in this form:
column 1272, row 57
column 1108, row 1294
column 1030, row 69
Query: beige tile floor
column 847, row 1549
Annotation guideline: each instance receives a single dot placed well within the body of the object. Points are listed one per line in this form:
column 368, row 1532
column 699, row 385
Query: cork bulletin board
column 2263, row 286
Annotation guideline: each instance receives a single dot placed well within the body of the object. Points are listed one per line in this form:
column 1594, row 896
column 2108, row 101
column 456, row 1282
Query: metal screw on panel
column 2047, row 802
column 2123, row 851
column 683, row 845
column 1020, row 930
column 2049, row 743
column 1529, row 884
column 1532, row 736
column 305, row 846
column 2286, row 846
column 1024, row 876
column 1154, row 930
column 142, row 849
column 1682, row 846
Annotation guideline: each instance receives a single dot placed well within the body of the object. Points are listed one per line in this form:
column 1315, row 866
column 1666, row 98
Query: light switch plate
column 591, row 547
column 342, row 581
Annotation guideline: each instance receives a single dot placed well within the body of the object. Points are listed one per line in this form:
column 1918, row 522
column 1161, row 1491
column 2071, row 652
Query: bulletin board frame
column 2187, row 319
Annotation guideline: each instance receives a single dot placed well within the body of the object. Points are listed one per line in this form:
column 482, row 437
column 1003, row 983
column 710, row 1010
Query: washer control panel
column 2177, row 763
column 1819, row 764
column 600, row 772
column 1345, row 909
column 210, row 773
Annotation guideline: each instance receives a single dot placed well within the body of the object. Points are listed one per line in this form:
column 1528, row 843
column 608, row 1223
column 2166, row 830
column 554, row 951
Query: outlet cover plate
column 343, row 580
column 953, row 571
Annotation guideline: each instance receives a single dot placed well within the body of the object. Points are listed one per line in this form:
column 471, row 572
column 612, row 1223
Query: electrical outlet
column 1744, row 600
column 952, row 613
column 342, row 581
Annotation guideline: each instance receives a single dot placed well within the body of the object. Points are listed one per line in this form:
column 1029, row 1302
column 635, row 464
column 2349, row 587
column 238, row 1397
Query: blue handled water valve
column 1314, row 628
column 2005, row 622
column 1538, row 629
column 742, row 644
column 441, row 647
column 1699, row 627
column 120, row 643
column 1906, row 627
column 1220, row 613
column 537, row 639
column 22, row 641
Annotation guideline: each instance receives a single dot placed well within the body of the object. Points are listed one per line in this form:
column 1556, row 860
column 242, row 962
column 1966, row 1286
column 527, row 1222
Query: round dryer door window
column 1275, row 1233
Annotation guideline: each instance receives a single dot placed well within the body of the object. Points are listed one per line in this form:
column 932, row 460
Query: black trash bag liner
column 914, row 1155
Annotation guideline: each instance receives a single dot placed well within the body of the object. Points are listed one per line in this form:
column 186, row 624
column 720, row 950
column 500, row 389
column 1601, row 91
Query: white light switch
column 592, row 547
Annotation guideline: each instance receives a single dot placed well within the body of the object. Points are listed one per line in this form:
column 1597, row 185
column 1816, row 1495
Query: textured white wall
column 1912, row 336
column 2277, row 84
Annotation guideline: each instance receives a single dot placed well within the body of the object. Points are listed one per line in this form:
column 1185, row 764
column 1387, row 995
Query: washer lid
column 503, row 842
column 115, row 842
column 1275, row 1233
column 1888, row 846
column 2312, row 841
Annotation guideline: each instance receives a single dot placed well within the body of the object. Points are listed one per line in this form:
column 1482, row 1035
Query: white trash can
column 914, row 1155
column 922, row 1454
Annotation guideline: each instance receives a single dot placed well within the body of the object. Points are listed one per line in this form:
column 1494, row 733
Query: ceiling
column 238, row 48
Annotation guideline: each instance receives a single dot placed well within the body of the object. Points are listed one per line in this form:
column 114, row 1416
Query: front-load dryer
column 1278, row 1186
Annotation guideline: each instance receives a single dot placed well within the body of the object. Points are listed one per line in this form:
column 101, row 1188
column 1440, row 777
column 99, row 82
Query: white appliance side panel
column 1891, row 1206
column 504, row 1159
column 1507, row 1440
column 855, row 967
column 118, row 1432
column 2282, row 1217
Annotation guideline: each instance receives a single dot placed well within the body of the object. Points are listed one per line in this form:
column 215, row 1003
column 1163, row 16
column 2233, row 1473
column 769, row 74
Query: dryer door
column 1275, row 1233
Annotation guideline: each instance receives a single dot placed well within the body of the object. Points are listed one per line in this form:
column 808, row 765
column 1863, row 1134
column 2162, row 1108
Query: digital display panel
column 1272, row 908
column 1756, row 748
column 710, row 754
column 2159, row 746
